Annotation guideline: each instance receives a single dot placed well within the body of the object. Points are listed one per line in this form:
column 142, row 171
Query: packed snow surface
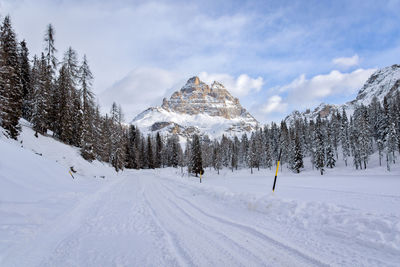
column 165, row 218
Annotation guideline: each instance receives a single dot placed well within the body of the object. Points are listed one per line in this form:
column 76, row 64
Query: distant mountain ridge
column 381, row 83
column 198, row 108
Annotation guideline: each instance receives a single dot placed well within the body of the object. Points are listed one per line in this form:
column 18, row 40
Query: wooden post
column 277, row 168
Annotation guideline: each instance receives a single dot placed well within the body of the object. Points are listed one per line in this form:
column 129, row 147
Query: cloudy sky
column 276, row 56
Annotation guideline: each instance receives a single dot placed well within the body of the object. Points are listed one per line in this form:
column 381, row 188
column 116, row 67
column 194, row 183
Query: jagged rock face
column 382, row 82
column 198, row 108
column 197, row 97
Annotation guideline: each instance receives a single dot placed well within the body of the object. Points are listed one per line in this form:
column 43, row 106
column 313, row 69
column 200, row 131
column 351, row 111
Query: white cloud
column 346, row 62
column 140, row 89
column 240, row 86
column 274, row 104
column 304, row 93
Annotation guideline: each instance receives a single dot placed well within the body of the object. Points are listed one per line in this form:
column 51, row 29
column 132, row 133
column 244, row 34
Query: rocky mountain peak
column 217, row 86
column 197, row 100
column 195, row 85
column 196, row 97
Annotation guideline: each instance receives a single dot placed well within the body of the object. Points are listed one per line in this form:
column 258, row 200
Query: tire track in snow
column 255, row 232
column 181, row 256
column 247, row 256
column 54, row 232
column 393, row 197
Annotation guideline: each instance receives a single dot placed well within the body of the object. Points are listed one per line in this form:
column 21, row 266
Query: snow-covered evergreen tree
column 298, row 155
column 40, row 103
column 344, row 137
column 197, row 164
column 25, row 69
column 149, row 153
column 11, row 94
column 392, row 143
column 217, row 158
column 320, row 146
column 87, row 133
column 158, row 153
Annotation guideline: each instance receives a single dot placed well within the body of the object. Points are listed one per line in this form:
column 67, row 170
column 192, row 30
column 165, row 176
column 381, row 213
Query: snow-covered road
column 165, row 218
column 158, row 218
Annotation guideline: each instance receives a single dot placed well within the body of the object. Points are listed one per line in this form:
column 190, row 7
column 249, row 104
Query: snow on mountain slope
column 164, row 218
column 382, row 82
column 198, row 108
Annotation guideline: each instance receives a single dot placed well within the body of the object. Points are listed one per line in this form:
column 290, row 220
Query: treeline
column 373, row 128
column 57, row 98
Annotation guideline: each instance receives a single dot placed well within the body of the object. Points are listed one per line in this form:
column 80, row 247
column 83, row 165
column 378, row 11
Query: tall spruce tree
column 298, row 154
column 50, row 48
column 392, row 143
column 52, row 93
column 197, row 164
column 27, row 92
column 344, row 137
column 159, row 148
column 87, row 134
column 149, row 153
column 131, row 161
column 217, row 158
column 11, row 94
column 320, row 146
column 40, row 103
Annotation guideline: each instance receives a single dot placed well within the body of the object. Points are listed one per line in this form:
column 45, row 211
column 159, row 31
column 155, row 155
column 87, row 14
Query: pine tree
column 217, row 158
column 344, row 137
column 130, row 161
column 298, row 155
column 27, row 92
column 11, row 94
column 53, row 96
column 70, row 102
column 197, row 164
column 175, row 151
column 77, row 118
column 206, row 151
column 253, row 156
column 149, row 154
column 244, row 150
column 97, row 122
column 87, row 134
column 392, row 143
column 139, row 153
column 284, row 143
column 65, row 106
column 330, row 154
column 159, row 149
column 40, row 108
column 117, row 145
column 234, row 154
column 364, row 134
column 320, row 147
column 50, row 48
column 355, row 146
column 188, row 155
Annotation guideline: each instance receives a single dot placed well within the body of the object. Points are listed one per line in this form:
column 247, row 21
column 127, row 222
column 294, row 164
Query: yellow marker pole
column 200, row 177
column 71, row 175
column 277, row 168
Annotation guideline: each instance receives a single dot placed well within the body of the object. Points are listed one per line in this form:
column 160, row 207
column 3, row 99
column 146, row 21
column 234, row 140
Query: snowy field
column 165, row 218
